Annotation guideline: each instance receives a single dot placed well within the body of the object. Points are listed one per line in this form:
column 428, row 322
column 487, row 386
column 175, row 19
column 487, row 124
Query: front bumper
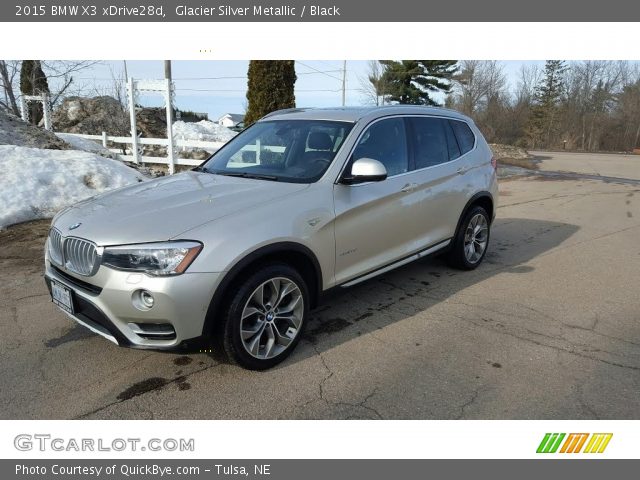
column 105, row 303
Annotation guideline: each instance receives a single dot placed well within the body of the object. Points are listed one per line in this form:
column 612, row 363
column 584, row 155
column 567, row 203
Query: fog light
column 142, row 299
column 147, row 298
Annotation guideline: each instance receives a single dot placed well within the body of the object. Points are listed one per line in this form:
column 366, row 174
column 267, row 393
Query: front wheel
column 265, row 318
column 471, row 240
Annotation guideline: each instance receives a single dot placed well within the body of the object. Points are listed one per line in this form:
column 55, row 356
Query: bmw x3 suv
column 235, row 252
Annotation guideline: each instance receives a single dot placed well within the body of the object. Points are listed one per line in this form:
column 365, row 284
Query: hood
column 162, row 209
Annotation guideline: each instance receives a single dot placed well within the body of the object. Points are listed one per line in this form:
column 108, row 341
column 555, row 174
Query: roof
column 354, row 114
column 235, row 117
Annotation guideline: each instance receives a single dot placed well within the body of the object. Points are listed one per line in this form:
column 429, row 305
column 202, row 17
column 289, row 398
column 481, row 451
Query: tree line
column 588, row 105
column 585, row 105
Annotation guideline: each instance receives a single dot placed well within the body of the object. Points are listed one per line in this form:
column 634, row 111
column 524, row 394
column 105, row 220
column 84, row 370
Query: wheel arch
column 483, row 199
column 295, row 254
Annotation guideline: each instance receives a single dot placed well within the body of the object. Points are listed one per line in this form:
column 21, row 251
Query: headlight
column 166, row 258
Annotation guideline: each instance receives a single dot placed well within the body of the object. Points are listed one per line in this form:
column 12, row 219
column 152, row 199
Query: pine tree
column 33, row 81
column 412, row 82
column 270, row 87
column 546, row 103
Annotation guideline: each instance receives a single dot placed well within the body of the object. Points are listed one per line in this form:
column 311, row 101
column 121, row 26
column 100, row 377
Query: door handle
column 409, row 187
column 462, row 170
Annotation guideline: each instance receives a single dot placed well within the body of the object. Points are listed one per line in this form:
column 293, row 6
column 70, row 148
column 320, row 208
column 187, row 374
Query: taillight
column 494, row 163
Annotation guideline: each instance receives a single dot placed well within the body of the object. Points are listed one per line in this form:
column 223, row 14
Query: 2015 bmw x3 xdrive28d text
column 238, row 250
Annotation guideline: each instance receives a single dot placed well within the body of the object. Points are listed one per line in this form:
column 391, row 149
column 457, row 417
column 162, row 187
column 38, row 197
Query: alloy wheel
column 272, row 318
column 475, row 238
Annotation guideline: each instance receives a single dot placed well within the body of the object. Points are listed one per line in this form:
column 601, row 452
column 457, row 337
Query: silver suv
column 238, row 250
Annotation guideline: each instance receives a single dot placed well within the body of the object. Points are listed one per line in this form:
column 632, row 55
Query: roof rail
column 285, row 110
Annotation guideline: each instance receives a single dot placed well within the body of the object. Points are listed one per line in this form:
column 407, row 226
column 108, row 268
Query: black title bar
column 319, row 11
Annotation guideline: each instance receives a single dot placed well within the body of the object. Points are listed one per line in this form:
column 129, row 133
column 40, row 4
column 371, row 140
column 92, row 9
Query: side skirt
column 421, row 254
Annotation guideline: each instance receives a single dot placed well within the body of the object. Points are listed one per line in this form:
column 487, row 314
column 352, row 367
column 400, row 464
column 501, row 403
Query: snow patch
column 204, row 131
column 37, row 183
column 74, row 111
column 86, row 145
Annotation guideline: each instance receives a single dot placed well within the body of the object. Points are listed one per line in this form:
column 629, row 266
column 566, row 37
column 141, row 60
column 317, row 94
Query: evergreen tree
column 412, row 82
column 270, row 87
column 33, row 81
column 546, row 104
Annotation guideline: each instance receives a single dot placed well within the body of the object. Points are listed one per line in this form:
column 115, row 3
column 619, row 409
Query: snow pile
column 37, row 183
column 204, row 131
column 87, row 145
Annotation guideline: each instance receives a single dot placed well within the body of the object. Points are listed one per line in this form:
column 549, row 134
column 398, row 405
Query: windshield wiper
column 257, row 176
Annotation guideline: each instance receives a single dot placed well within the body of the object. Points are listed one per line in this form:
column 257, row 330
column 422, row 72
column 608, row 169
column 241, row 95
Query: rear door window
column 430, row 146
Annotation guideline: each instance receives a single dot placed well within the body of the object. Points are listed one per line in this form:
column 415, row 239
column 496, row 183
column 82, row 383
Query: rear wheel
column 471, row 241
column 265, row 318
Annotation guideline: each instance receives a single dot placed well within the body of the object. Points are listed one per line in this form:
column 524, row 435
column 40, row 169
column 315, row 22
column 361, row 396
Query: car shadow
column 414, row 288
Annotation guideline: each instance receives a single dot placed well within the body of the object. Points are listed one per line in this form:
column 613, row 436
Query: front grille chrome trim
column 74, row 254
column 55, row 246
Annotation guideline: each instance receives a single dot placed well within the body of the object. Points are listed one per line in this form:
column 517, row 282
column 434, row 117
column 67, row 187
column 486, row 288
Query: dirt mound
column 13, row 131
column 501, row 151
column 91, row 116
column 152, row 122
column 511, row 156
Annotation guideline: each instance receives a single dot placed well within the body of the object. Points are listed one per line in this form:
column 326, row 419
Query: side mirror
column 365, row 170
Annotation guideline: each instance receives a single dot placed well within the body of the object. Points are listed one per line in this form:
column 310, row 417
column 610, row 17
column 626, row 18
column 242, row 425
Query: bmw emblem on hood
column 74, row 226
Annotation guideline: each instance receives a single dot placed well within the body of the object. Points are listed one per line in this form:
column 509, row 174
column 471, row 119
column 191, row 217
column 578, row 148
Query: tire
column 265, row 318
column 460, row 255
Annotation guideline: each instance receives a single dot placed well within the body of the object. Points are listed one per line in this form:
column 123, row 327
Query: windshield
column 298, row 151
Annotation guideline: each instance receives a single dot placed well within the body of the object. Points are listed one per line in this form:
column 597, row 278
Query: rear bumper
column 105, row 304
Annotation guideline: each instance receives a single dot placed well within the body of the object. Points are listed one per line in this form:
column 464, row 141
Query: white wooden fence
column 46, row 108
column 135, row 156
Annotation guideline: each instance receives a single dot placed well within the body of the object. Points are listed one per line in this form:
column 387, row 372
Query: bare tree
column 117, row 88
column 591, row 95
column 494, row 78
column 529, row 78
column 8, row 74
column 372, row 85
column 469, row 90
column 628, row 111
column 119, row 122
column 479, row 83
column 62, row 77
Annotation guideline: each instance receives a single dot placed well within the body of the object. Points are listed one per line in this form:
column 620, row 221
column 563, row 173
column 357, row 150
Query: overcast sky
column 218, row 87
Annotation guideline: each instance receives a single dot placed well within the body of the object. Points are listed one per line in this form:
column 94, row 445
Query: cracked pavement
column 547, row 328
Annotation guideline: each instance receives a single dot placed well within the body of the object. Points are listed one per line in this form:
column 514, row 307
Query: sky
column 219, row 87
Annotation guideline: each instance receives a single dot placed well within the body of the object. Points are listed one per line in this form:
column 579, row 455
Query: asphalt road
column 547, row 328
column 599, row 164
